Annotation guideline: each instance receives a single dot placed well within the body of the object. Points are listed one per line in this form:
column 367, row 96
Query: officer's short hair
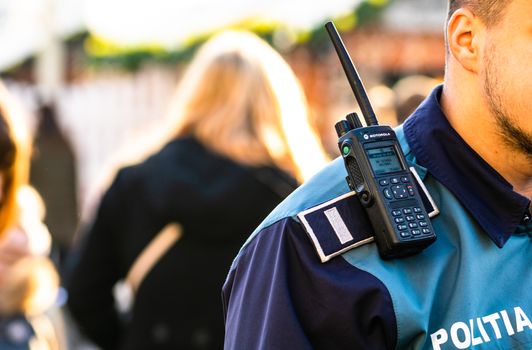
column 489, row 11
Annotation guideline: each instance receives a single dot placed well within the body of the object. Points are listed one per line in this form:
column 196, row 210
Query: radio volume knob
column 354, row 120
column 342, row 127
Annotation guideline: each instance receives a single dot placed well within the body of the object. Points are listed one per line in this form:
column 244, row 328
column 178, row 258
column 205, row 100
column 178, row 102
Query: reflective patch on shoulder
column 428, row 201
column 337, row 226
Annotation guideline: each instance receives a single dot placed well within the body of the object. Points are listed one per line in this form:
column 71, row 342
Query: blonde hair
column 241, row 99
column 14, row 159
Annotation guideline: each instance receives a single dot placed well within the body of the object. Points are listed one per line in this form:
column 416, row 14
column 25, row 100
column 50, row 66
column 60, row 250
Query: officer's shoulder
column 321, row 201
column 327, row 184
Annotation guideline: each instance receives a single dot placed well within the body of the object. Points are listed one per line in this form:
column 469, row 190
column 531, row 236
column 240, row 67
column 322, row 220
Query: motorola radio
column 378, row 173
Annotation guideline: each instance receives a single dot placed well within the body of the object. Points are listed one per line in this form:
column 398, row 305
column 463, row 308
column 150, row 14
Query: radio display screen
column 384, row 160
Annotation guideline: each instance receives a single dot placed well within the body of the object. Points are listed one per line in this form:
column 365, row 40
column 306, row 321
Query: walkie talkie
column 378, row 173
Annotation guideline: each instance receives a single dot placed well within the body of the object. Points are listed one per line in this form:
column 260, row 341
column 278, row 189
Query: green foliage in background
column 102, row 53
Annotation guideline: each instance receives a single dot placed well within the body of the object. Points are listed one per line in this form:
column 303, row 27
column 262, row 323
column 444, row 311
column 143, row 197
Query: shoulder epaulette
column 341, row 224
column 337, row 226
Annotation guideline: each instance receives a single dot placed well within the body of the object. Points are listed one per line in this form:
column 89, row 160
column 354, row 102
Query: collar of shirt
column 485, row 193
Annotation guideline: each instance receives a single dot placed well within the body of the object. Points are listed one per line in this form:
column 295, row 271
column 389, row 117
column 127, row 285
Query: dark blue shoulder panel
column 280, row 296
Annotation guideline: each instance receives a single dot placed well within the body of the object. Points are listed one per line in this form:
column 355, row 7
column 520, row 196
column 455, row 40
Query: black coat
column 178, row 306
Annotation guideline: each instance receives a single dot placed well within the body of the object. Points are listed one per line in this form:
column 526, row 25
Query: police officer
column 304, row 281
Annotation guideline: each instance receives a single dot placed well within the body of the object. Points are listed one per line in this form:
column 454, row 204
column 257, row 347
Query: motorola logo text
column 382, row 134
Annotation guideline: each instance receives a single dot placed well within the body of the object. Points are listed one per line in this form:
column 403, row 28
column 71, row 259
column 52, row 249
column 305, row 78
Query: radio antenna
column 352, row 75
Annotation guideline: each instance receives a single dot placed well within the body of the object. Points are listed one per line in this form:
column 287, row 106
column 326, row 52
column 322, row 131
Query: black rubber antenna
column 352, row 75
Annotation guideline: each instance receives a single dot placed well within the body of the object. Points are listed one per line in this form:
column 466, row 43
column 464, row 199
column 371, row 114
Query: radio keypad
column 410, row 222
column 410, row 225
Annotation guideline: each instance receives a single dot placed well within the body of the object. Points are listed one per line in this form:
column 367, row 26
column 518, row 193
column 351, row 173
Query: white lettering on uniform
column 480, row 325
column 521, row 320
column 507, row 324
column 492, row 319
column 477, row 340
column 464, row 336
column 438, row 338
column 454, row 335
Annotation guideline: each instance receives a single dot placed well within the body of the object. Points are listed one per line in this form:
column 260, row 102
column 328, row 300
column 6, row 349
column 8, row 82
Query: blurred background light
column 118, row 26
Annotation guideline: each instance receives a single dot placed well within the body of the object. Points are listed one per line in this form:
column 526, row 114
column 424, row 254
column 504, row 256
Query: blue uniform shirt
column 469, row 289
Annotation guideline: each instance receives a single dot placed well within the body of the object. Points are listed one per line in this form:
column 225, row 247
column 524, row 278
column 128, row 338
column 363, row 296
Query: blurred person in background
column 409, row 92
column 53, row 175
column 232, row 155
column 28, row 279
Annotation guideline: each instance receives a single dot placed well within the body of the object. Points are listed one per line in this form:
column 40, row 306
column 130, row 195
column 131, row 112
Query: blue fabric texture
column 469, row 289
column 280, row 296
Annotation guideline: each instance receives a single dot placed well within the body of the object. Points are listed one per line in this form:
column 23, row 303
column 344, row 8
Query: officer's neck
column 463, row 106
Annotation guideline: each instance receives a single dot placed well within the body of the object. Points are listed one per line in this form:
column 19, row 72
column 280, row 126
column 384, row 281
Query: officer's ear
column 465, row 33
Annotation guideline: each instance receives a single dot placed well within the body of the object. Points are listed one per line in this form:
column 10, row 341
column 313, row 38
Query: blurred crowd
column 140, row 264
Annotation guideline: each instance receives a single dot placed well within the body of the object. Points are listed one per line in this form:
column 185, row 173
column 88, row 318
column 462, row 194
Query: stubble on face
column 513, row 136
